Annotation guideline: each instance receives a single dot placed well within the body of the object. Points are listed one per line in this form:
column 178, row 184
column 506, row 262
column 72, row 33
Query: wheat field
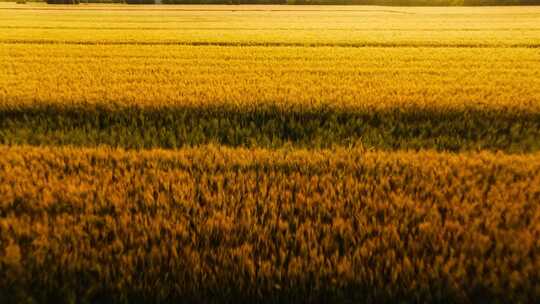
column 217, row 154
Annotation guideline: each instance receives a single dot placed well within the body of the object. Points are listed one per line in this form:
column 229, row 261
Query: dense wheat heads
column 207, row 223
column 455, row 79
column 383, row 220
column 136, row 96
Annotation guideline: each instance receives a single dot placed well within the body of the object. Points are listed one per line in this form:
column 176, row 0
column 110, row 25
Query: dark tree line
column 419, row 2
column 342, row 2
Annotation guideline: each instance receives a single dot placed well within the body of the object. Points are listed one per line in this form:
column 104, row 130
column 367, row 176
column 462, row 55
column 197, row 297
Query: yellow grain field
column 270, row 154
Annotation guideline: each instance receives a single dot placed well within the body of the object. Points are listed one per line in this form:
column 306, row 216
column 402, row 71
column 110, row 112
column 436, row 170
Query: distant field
column 272, row 25
column 269, row 153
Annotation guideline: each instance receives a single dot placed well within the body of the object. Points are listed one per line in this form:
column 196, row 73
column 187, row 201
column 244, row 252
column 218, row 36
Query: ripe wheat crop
column 389, row 98
column 274, row 154
column 269, row 225
column 260, row 25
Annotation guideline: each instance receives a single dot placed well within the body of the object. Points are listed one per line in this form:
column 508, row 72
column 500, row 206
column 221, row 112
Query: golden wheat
column 503, row 26
column 286, row 77
column 93, row 223
column 389, row 98
column 257, row 224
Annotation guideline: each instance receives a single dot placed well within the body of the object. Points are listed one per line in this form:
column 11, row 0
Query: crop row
column 217, row 224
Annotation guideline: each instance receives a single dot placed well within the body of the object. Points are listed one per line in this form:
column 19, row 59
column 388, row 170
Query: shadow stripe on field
column 173, row 127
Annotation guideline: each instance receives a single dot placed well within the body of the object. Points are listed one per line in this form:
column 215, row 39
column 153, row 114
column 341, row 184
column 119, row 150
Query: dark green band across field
column 136, row 127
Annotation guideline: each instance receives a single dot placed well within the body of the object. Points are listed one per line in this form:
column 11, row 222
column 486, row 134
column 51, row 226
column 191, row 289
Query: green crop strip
column 174, row 127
